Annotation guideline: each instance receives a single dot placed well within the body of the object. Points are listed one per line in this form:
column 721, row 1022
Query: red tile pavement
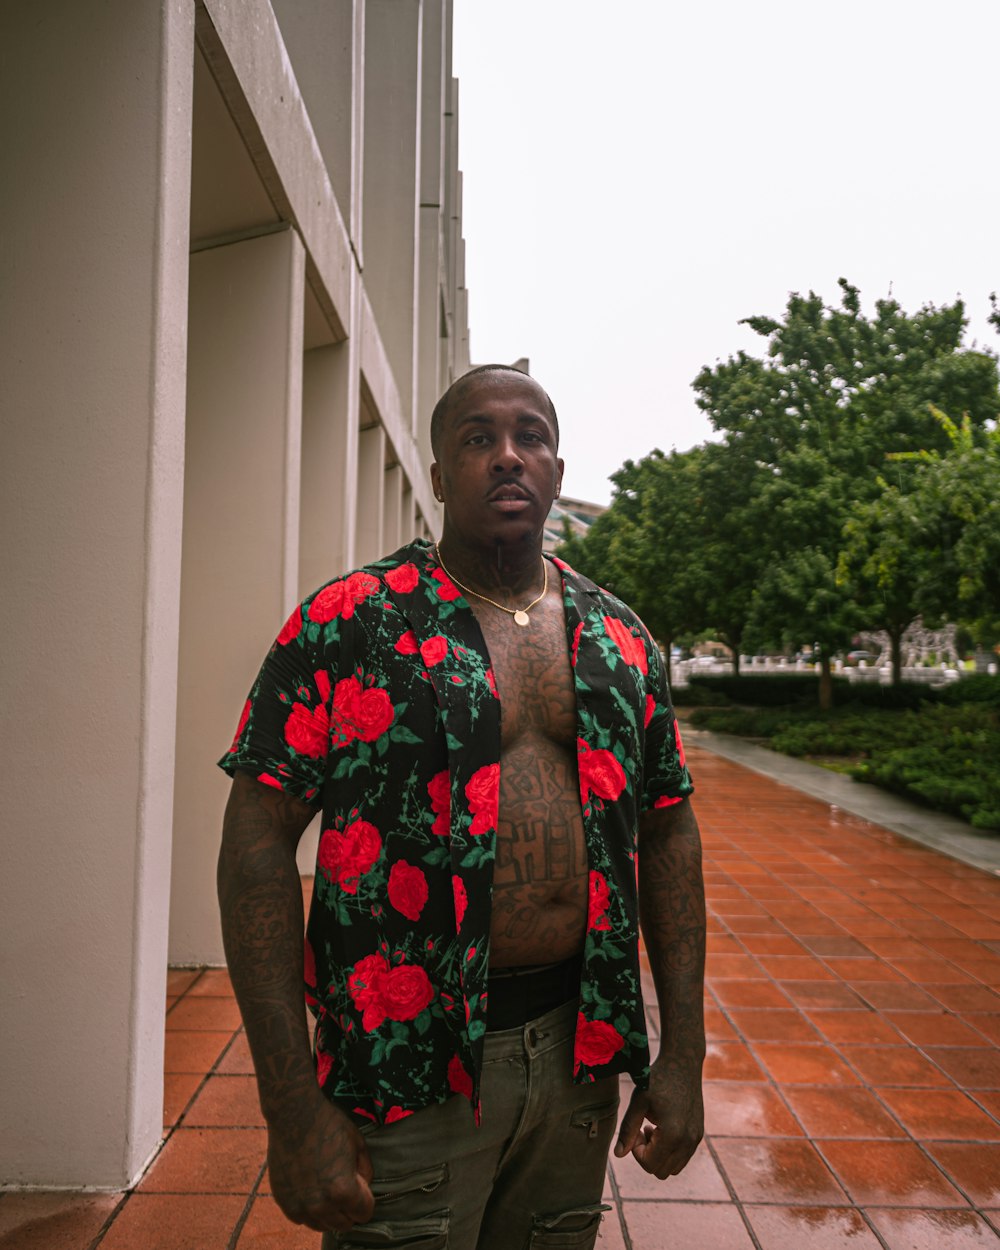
column 852, row 1081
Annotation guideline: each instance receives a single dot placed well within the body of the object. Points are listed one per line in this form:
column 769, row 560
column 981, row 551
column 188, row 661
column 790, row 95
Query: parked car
column 855, row 657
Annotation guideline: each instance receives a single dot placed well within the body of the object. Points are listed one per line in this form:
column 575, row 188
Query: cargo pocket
column 388, row 1189
column 430, row 1232
column 594, row 1120
column 575, row 1229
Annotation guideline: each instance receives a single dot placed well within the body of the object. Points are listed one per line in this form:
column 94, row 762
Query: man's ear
column 436, row 481
column 560, row 465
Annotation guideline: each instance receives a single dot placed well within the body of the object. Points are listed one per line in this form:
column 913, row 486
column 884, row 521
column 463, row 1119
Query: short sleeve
column 666, row 780
column 283, row 735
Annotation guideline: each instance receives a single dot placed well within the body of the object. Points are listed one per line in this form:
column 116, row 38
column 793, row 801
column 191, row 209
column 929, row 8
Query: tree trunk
column 825, row 683
column 668, row 647
column 896, row 643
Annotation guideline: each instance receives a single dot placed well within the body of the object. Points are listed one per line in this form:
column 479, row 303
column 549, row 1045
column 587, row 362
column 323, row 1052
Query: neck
column 505, row 569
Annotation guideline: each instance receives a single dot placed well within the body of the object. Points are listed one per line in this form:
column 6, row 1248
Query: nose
column 507, row 457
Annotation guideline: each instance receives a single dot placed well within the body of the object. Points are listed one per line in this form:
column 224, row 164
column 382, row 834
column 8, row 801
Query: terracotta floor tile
column 958, row 949
column 747, row 1109
column 990, row 1099
column 932, row 1230
column 930, row 927
column 193, row 1050
column 212, row 1014
column 178, row 1090
column 931, row 971
column 717, row 1027
column 213, row 983
column 731, row 1061
column 822, row 994
column 175, row 1222
column 207, row 1161
column 864, row 928
column 966, row 998
column 609, row 1235
column 971, row 1067
column 817, row 1228
column 895, row 1065
column 749, row 994
column 804, row 1064
column 772, row 944
column 932, row 1028
column 268, row 1229
column 699, row 1182
column 732, row 966
column 842, row 1113
column 237, row 1060
column 987, row 1025
column 42, row 1220
column 723, row 944
column 179, row 980
column 941, row 1114
column 226, row 1102
column 893, row 948
column 656, row 1225
column 765, row 1024
column 761, row 1170
column 795, row 968
column 975, row 1169
column 985, row 970
column 860, row 1027
column 739, row 906
column 753, row 924
column 895, row 996
column 863, row 968
column 889, row 1173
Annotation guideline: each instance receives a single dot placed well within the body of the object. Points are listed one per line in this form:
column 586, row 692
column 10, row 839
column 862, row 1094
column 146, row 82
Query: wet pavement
column 853, row 1073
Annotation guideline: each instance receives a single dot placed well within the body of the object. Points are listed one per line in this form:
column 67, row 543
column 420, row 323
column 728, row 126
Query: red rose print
column 650, row 709
column 459, row 1081
column 680, row 745
column 291, row 627
column 461, row 900
column 407, row 889
column 404, row 579
column 439, row 789
column 324, row 1063
column 340, row 598
column 322, row 680
column 666, row 801
column 345, row 855
column 597, row 1042
column 631, row 648
column 483, row 792
column 406, row 644
column 561, row 565
column 396, row 1113
column 273, row 782
column 433, row 650
column 406, row 990
column 309, row 972
column 363, row 984
column 374, row 715
column 446, row 589
column 307, row 730
column 600, row 898
column 244, row 717
column 492, row 683
column 575, row 649
column 600, row 772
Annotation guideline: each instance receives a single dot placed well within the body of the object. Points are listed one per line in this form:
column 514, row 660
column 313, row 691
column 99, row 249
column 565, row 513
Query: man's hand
column 320, row 1171
column 673, row 1103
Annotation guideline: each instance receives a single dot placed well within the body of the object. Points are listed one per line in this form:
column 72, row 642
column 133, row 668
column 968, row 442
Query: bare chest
column 532, row 671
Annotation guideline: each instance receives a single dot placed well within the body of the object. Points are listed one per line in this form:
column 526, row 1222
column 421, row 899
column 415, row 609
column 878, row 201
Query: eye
column 476, row 440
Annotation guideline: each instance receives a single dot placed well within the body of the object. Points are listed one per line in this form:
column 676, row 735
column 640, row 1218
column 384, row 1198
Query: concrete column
column 391, row 181
column 240, row 556
column 430, row 259
column 94, row 295
column 392, row 507
column 371, row 494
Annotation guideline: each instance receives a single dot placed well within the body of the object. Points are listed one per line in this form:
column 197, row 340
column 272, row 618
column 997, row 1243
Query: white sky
column 639, row 176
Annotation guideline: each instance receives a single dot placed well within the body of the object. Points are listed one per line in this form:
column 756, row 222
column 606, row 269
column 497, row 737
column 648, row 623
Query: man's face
column 497, row 471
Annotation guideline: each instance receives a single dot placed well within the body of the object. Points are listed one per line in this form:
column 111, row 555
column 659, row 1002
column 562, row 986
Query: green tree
column 836, row 392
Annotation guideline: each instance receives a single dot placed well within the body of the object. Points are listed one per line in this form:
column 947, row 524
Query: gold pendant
column 521, row 618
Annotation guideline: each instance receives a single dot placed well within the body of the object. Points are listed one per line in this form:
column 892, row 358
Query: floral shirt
column 377, row 705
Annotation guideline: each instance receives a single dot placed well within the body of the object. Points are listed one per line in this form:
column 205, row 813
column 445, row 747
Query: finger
column 631, row 1125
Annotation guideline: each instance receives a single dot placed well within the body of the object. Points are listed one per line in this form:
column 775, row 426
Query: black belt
column 517, row 995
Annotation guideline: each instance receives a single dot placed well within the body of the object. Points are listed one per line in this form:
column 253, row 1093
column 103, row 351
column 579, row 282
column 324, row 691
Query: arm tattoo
column 672, row 915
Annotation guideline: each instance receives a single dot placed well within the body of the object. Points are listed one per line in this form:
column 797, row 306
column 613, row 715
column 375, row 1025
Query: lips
column 509, row 492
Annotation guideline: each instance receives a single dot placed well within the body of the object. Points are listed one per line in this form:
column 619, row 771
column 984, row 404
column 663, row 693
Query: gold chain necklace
column 520, row 615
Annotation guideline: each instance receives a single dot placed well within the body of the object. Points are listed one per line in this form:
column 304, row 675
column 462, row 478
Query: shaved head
column 443, row 405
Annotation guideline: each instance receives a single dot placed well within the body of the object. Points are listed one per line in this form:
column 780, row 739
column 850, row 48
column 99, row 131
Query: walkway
column 853, row 1077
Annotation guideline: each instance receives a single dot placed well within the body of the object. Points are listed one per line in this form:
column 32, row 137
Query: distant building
column 578, row 513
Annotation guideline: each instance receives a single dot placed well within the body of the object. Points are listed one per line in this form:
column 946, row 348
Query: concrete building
column 232, row 279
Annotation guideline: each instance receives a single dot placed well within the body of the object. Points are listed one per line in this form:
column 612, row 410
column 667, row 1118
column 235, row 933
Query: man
column 488, row 736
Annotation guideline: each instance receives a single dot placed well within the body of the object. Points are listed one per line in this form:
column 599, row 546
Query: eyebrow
column 523, row 418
